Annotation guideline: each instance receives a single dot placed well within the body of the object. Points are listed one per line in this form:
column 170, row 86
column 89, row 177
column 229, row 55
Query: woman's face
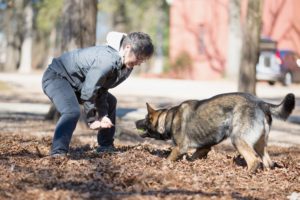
column 130, row 59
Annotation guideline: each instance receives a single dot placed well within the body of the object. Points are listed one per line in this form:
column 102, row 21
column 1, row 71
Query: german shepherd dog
column 243, row 117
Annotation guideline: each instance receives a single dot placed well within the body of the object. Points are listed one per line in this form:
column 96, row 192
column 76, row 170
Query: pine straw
column 136, row 172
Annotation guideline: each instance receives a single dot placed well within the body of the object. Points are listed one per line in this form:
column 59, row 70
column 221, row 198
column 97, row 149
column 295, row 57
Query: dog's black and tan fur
column 243, row 117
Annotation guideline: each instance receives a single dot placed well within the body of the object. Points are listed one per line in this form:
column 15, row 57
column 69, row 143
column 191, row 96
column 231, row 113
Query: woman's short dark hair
column 141, row 44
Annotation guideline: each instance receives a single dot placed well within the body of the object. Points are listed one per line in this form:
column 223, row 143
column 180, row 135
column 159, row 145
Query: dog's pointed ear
column 149, row 108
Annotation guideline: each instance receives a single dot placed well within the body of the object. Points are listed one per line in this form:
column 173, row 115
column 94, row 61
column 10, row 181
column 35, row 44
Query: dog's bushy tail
column 285, row 108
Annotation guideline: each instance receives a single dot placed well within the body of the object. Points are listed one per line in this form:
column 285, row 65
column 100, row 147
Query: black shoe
column 106, row 149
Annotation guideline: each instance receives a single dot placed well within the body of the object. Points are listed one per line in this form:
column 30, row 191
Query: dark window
column 267, row 61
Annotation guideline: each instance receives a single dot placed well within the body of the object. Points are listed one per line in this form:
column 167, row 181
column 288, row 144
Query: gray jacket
column 91, row 72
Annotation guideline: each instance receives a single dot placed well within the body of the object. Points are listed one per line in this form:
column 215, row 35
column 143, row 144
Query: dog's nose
column 140, row 123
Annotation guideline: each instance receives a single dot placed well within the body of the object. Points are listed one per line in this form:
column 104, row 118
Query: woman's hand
column 104, row 122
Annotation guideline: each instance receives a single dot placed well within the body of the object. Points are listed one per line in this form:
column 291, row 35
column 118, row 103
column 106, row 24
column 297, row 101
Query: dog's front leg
column 175, row 154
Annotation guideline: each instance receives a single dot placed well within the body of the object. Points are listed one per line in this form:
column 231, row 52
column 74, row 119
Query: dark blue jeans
column 63, row 96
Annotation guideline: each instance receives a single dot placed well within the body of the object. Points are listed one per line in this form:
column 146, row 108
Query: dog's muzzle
column 142, row 128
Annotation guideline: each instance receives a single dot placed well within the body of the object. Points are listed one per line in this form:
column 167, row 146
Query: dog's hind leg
column 261, row 149
column 263, row 153
column 200, row 153
column 268, row 163
column 248, row 153
column 248, row 129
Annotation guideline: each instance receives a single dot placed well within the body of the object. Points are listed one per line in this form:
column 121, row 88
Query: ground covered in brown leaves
column 139, row 171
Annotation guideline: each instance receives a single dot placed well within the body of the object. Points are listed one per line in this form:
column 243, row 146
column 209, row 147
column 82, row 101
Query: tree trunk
column 12, row 33
column 120, row 18
column 158, row 60
column 79, row 31
column 250, row 49
column 79, row 24
column 235, row 40
column 26, row 49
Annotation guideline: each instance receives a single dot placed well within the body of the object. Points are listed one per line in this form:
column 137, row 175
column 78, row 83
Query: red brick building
column 199, row 33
